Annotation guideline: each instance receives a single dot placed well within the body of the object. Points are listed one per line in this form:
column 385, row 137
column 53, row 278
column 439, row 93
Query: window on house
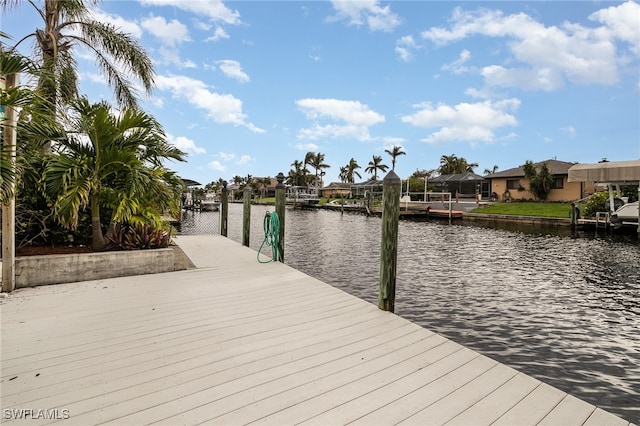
column 513, row 183
column 558, row 183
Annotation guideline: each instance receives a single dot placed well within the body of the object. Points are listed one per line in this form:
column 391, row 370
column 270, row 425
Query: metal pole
column 392, row 188
column 224, row 217
column 9, row 205
column 280, row 209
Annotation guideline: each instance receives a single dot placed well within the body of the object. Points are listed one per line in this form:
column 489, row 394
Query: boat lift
column 609, row 173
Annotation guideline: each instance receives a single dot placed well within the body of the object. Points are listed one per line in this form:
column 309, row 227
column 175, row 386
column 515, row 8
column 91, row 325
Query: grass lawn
column 527, row 209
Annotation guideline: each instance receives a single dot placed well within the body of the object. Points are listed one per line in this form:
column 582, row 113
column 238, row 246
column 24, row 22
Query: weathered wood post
column 224, row 217
column 246, row 216
column 389, row 245
column 9, row 205
column 281, row 200
column 638, row 211
column 573, row 216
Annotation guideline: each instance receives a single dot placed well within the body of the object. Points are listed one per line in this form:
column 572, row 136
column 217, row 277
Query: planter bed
column 33, row 271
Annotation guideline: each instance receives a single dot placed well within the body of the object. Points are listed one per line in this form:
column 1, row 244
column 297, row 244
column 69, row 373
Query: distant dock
column 234, row 341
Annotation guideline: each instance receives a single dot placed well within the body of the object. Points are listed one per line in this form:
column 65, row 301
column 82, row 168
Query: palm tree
column 395, row 152
column 491, row 171
column 115, row 162
column 13, row 98
column 451, row 164
column 351, row 172
column 317, row 162
column 69, row 23
column 375, row 165
column 298, row 175
column 343, row 176
column 264, row 184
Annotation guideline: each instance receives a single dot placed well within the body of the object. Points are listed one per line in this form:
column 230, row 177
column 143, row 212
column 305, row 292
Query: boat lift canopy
column 620, row 172
column 611, row 173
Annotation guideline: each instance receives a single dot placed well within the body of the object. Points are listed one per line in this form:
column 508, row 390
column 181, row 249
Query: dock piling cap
column 391, row 179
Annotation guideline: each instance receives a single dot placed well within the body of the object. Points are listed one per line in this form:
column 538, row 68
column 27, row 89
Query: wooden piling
column 573, row 215
column 389, row 244
column 246, row 216
column 9, row 205
column 224, row 216
column 281, row 200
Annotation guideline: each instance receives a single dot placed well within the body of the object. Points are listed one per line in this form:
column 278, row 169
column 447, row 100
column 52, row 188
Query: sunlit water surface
column 563, row 309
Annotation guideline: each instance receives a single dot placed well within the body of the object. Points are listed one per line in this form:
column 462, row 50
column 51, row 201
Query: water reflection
column 561, row 308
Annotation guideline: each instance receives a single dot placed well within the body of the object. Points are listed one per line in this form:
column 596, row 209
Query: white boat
column 210, row 203
column 627, row 214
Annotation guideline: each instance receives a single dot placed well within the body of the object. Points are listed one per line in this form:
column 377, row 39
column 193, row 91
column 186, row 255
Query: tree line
column 82, row 171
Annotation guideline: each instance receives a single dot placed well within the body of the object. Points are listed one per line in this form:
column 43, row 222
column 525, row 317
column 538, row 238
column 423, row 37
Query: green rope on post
column 271, row 226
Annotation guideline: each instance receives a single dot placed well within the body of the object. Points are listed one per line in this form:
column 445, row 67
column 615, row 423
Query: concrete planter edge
column 34, row 271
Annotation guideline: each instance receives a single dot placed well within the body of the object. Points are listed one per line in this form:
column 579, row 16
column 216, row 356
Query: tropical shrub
column 138, row 237
column 595, row 203
column 540, row 181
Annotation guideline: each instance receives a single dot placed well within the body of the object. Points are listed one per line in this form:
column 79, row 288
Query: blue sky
column 247, row 87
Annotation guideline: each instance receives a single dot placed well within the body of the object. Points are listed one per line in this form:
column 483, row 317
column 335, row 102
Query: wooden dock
column 235, row 341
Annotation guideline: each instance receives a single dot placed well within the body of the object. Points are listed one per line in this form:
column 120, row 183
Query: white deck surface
column 238, row 342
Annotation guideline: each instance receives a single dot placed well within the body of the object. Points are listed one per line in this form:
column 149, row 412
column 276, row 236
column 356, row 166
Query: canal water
column 562, row 308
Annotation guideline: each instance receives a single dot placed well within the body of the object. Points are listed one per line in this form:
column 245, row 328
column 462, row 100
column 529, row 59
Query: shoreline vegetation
column 516, row 208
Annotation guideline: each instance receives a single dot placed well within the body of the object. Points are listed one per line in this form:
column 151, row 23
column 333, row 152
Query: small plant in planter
column 138, row 237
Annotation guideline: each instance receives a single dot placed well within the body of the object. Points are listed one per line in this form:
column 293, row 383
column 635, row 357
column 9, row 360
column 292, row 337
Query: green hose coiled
column 271, row 226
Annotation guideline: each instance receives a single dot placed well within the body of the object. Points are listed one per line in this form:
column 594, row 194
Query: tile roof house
column 512, row 185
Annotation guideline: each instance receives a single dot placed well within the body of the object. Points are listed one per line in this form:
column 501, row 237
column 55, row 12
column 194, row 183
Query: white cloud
column 546, row 56
column 225, row 156
column 355, row 119
column 524, row 78
column 233, row 69
column 218, row 34
column 216, row 165
column 405, row 47
column 358, row 13
column 185, row 144
column 221, row 108
column 570, row 130
column 307, row 147
column 469, row 122
column 390, row 142
column 171, row 33
column 244, row 160
column 215, row 10
column 623, row 21
column 457, row 67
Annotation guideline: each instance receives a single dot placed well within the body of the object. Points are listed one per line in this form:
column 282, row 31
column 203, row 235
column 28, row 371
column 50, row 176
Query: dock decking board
column 237, row 342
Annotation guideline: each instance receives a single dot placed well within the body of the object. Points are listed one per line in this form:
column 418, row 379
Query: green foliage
column 630, row 191
column 415, row 185
column 395, row 152
column 527, row 209
column 138, row 237
column 452, row 164
column 67, row 25
column 540, row 181
column 112, row 161
column 595, row 203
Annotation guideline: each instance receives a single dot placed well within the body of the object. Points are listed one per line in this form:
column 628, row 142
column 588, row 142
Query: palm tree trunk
column 97, row 239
